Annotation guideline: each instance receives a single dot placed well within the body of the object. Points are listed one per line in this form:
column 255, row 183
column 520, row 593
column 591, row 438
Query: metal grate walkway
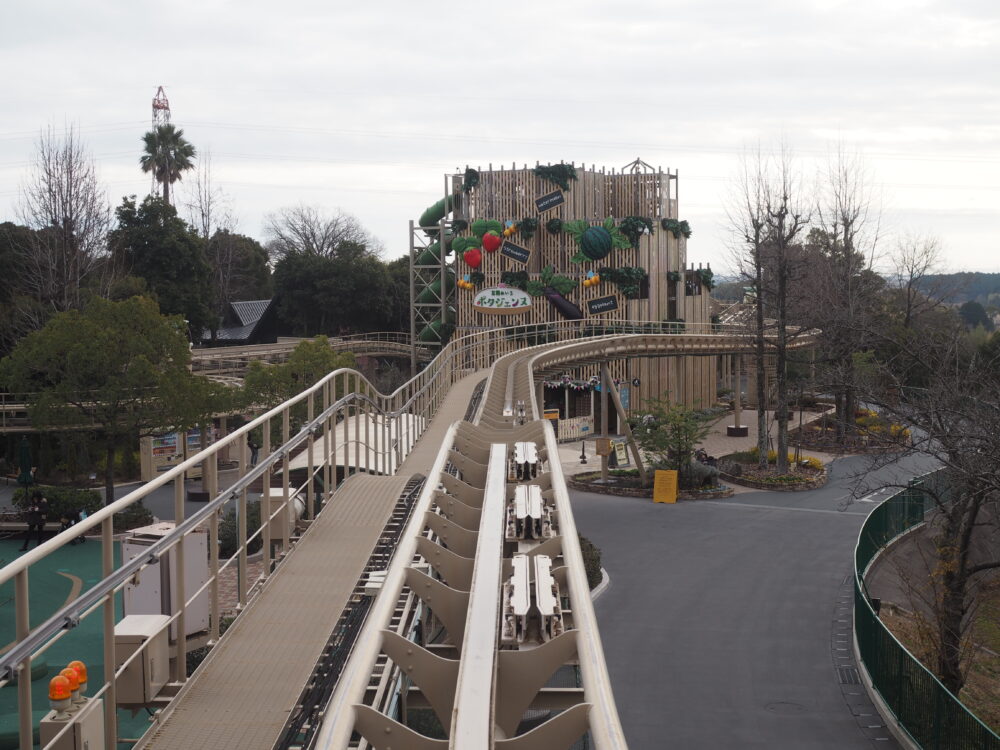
column 245, row 690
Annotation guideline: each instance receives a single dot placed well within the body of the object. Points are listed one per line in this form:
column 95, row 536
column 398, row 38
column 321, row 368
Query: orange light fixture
column 74, row 678
column 81, row 669
column 59, row 688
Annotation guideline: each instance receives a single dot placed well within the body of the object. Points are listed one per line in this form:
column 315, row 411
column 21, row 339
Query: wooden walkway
column 245, row 690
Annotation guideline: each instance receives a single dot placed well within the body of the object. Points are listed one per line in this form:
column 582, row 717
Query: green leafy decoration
column 628, row 279
column 673, row 275
column 516, row 279
column 527, row 227
column 470, row 180
column 477, row 277
column 554, row 225
column 482, row 226
column 677, row 228
column 459, row 225
column 547, row 278
column 705, row 274
column 557, row 174
column 633, row 227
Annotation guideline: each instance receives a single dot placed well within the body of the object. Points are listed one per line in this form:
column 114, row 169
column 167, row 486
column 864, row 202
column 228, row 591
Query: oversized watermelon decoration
column 595, row 242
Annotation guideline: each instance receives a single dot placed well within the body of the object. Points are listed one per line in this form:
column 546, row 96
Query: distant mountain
column 967, row 286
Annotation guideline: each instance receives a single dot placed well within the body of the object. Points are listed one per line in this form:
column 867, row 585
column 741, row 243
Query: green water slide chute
column 432, row 254
column 429, row 219
column 432, row 292
column 432, row 332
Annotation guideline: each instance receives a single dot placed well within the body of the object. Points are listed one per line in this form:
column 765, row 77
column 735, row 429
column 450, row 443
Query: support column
column 737, row 429
column 604, row 422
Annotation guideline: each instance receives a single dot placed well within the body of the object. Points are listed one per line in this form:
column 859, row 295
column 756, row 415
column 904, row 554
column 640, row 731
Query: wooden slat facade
column 508, row 194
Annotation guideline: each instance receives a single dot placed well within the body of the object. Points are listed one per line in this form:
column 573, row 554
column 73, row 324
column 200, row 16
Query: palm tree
column 167, row 155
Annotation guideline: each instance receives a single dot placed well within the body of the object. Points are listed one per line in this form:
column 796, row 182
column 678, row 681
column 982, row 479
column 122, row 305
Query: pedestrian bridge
column 444, row 583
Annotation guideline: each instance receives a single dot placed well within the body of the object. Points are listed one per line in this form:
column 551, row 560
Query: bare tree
column 847, row 239
column 65, row 203
column 308, row 230
column 209, row 207
column 769, row 218
column 955, row 422
column 915, row 261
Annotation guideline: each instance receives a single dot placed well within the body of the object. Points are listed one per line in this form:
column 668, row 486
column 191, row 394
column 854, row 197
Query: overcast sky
column 363, row 107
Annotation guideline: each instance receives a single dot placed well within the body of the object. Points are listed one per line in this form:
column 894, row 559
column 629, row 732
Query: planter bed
column 628, row 487
column 811, row 479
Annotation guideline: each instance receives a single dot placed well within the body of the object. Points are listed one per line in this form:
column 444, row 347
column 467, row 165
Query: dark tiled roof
column 250, row 312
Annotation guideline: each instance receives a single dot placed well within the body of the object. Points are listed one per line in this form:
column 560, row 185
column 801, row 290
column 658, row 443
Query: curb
column 602, row 586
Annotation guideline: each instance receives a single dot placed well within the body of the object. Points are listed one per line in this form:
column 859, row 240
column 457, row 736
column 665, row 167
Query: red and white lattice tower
column 161, row 108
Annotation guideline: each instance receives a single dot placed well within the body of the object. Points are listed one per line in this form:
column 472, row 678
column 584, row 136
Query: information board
column 550, row 200
column 602, row 305
column 515, row 252
column 665, row 486
column 621, row 452
column 501, row 301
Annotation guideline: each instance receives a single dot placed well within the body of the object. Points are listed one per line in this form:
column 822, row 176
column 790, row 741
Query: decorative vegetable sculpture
column 481, row 226
column 553, row 287
column 595, row 241
column 491, row 241
column 473, row 257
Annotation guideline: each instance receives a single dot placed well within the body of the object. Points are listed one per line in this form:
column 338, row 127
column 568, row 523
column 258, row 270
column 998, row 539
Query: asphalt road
column 720, row 627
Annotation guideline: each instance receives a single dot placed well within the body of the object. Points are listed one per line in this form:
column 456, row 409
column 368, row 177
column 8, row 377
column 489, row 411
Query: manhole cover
column 783, row 707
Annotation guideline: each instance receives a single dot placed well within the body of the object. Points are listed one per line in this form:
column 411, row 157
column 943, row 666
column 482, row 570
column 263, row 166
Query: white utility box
column 286, row 517
column 145, row 675
column 87, row 732
column 155, row 591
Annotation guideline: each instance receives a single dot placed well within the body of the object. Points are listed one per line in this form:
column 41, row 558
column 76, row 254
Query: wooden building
column 570, row 242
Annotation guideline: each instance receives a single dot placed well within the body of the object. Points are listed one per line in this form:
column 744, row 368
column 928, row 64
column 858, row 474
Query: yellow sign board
column 603, row 446
column 665, row 487
column 551, row 414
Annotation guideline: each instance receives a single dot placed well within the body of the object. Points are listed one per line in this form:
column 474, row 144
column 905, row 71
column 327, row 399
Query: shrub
column 133, row 517
column 196, row 656
column 61, row 499
column 229, row 531
column 772, row 457
column 591, row 561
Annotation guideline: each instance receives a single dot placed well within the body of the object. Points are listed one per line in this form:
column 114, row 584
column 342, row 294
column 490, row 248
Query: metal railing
column 925, row 709
column 349, row 414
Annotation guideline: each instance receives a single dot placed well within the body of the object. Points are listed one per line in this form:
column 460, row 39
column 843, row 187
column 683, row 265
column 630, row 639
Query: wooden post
column 605, row 433
column 624, row 420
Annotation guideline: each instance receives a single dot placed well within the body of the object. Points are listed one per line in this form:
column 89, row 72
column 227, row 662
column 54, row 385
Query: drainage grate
column 849, row 675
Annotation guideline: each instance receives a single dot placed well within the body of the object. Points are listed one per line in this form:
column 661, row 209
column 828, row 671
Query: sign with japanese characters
column 501, row 300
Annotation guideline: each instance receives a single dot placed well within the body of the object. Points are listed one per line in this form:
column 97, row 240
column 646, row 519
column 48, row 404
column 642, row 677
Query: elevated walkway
column 242, row 695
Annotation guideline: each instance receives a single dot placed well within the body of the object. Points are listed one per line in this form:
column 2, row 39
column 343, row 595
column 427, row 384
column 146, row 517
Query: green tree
column 268, row 385
column 152, row 242
column 239, row 270
column 669, row 433
column 167, row 154
column 120, row 366
column 398, row 315
column 331, row 295
column 973, row 314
